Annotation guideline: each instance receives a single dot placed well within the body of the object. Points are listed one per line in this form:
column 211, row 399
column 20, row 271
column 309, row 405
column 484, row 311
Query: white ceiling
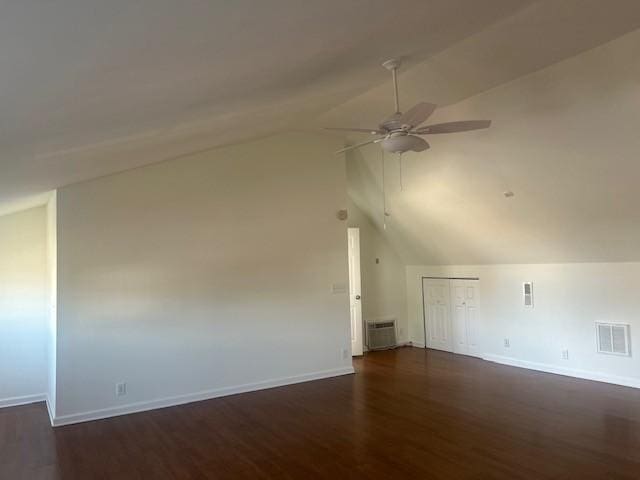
column 91, row 87
column 564, row 139
column 532, row 38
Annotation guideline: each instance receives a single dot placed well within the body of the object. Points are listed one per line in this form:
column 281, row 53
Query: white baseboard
column 195, row 397
column 24, row 400
column 568, row 372
column 50, row 411
column 417, row 344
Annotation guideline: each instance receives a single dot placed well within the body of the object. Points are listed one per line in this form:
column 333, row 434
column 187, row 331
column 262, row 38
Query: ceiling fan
column 399, row 133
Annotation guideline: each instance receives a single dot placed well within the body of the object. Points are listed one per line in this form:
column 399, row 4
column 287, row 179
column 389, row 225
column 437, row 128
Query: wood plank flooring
column 408, row 413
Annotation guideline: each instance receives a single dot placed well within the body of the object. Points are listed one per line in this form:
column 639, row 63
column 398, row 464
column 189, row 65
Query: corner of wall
column 52, row 274
column 383, row 284
column 414, row 307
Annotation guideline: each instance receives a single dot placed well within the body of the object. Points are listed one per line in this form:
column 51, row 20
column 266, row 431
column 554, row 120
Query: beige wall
column 201, row 276
column 23, row 306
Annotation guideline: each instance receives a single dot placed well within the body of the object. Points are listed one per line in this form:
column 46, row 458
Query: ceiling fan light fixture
column 401, row 143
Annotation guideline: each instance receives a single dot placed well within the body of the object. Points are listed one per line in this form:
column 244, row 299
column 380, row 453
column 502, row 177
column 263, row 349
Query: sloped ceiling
column 564, row 140
column 91, row 87
column 532, row 38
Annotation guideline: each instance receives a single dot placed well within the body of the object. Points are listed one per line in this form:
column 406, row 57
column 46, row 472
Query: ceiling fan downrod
column 393, row 66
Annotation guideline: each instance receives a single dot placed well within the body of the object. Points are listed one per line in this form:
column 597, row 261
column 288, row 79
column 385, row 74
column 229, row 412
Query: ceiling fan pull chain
column 400, row 168
column 384, row 195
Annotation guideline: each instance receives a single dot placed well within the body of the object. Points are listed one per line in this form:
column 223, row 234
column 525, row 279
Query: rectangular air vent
column 527, row 294
column 613, row 338
column 381, row 334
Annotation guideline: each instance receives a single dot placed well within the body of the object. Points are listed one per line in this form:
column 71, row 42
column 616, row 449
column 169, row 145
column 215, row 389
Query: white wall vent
column 527, row 294
column 381, row 334
column 613, row 338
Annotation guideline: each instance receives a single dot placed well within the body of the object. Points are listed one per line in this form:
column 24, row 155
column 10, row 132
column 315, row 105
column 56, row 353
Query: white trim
column 24, row 400
column 196, row 397
column 417, row 344
column 50, row 411
column 568, row 372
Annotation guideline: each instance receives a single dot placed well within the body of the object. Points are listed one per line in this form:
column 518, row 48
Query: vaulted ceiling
column 91, row 87
column 564, row 140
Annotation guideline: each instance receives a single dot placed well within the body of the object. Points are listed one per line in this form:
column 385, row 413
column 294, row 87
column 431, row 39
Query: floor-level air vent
column 613, row 338
column 381, row 334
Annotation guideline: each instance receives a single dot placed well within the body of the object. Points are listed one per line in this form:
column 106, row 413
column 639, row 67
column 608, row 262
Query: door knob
column 357, row 297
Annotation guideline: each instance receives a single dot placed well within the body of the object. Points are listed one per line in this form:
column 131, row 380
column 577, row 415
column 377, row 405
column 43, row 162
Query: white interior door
column 355, row 303
column 464, row 313
column 436, row 314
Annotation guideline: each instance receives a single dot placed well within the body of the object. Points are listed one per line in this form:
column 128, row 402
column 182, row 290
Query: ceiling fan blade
column 417, row 114
column 453, row 127
column 372, row 131
column 358, row 145
column 421, row 146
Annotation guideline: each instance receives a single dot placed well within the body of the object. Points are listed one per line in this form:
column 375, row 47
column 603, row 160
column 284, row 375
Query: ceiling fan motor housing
column 392, row 123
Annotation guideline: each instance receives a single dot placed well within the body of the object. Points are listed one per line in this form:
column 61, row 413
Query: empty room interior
column 342, row 239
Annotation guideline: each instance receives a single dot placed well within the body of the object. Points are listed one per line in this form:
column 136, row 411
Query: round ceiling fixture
column 400, row 143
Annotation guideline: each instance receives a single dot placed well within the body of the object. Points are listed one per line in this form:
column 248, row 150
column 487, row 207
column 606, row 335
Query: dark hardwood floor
column 408, row 413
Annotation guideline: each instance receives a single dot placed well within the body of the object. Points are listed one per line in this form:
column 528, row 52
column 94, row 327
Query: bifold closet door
column 436, row 297
column 464, row 316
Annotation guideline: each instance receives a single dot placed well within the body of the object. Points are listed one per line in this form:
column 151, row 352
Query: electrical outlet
column 121, row 389
column 345, row 353
column 507, row 343
column 565, row 354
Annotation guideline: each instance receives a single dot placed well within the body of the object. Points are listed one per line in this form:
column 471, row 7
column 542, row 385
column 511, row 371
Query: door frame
column 355, row 297
column 424, row 314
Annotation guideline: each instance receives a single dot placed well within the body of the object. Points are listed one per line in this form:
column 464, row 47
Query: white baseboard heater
column 381, row 334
